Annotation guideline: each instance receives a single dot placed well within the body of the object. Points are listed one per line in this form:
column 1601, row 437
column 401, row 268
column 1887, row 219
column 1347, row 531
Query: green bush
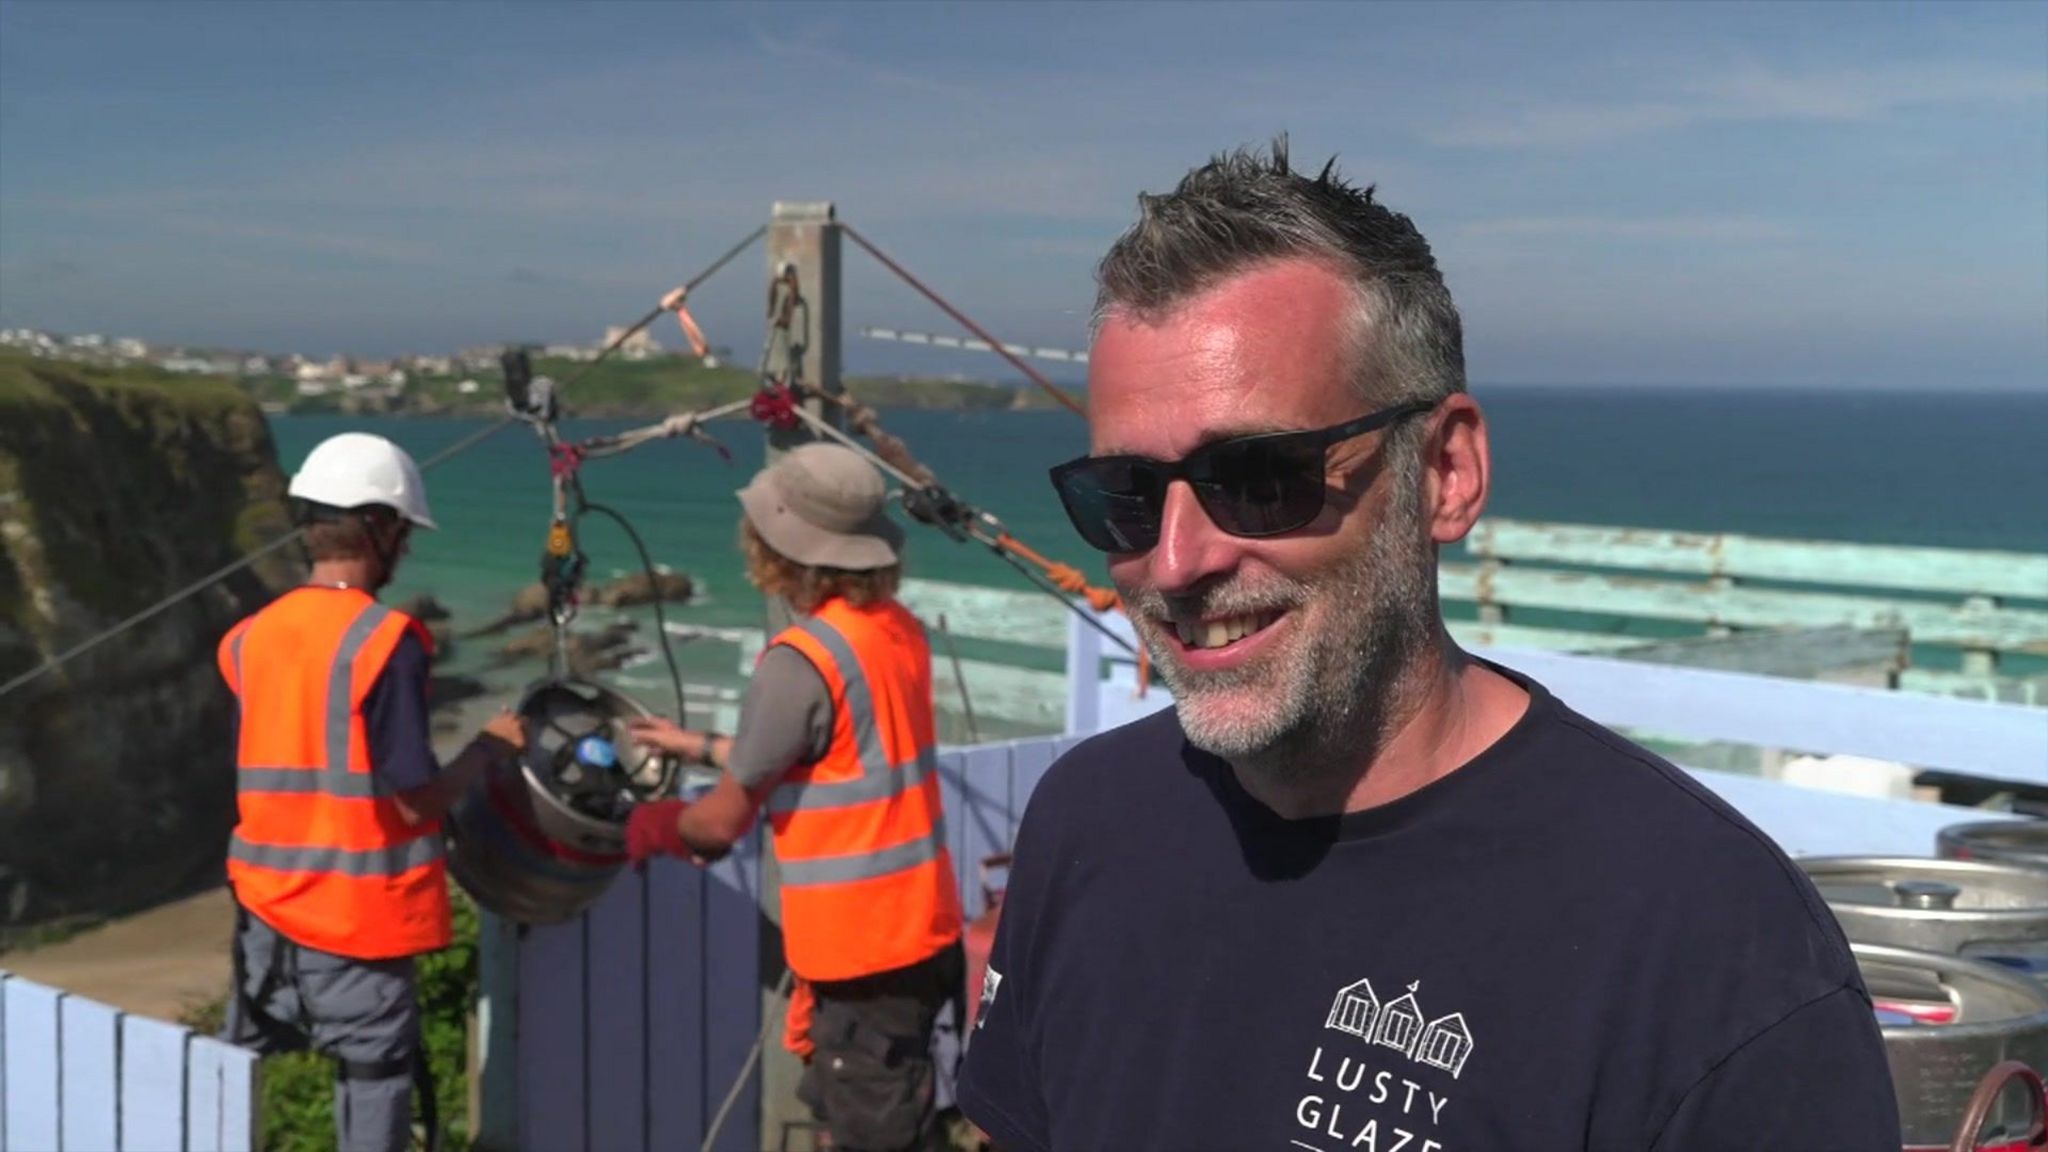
column 298, row 1087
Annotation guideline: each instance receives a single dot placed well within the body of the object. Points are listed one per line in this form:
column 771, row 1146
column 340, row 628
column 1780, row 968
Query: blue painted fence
column 634, row 1019
column 79, row 1076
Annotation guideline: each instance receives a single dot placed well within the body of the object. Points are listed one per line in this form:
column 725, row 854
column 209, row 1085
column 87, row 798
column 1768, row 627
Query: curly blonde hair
column 806, row 587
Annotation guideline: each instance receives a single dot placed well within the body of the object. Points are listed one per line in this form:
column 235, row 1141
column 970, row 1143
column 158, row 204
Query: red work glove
column 651, row 830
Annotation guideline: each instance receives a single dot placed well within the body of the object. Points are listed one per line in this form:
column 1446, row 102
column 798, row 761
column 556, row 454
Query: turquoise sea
column 1954, row 470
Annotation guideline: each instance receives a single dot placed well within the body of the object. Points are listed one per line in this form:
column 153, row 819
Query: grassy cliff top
column 27, row 380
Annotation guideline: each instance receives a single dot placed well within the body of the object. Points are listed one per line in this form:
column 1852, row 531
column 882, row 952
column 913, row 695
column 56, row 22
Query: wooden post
column 494, row 1038
column 1720, row 583
column 803, row 235
column 1982, row 661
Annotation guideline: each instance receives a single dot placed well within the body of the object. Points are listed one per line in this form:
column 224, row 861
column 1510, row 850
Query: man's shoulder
column 1146, row 747
column 1141, row 758
column 1655, row 827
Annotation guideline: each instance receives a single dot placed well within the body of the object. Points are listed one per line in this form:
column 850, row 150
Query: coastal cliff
column 116, row 489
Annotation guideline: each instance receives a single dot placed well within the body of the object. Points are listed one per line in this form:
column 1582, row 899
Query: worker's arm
column 717, row 820
column 401, row 742
column 500, row 739
column 785, row 720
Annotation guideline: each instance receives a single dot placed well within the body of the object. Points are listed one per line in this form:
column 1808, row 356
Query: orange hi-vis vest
column 867, row 883
column 321, row 852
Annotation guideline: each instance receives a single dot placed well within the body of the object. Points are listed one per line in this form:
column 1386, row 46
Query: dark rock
column 589, row 652
column 641, row 588
column 627, row 591
column 530, row 604
column 425, row 609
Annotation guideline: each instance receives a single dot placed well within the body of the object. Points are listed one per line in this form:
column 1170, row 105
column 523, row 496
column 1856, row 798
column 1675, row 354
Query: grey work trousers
column 365, row 1014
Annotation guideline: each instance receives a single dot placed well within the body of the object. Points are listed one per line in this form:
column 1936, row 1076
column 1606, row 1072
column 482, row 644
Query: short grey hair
column 1242, row 209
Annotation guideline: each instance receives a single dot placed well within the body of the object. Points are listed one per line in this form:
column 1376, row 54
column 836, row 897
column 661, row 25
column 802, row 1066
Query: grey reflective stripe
column 341, row 685
column 860, row 703
column 235, row 658
column 866, row 865
column 348, row 785
column 878, row 779
column 388, row 861
column 810, row 796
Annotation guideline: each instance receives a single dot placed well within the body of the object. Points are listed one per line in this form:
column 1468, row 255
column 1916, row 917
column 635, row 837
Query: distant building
column 639, row 346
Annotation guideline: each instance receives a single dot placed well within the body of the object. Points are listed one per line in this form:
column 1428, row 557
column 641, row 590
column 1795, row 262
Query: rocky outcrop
column 116, row 772
column 589, row 652
column 646, row 588
column 531, row 602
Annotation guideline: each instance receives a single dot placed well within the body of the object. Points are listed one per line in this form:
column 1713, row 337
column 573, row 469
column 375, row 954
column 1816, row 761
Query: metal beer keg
column 539, row 840
column 1947, row 1022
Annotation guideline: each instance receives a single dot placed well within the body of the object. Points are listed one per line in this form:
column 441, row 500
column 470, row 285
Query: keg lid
column 579, row 751
column 1927, row 884
column 2021, row 842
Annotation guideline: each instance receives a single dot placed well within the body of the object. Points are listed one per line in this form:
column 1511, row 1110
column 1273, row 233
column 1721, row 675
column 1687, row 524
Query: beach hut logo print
column 1443, row 1043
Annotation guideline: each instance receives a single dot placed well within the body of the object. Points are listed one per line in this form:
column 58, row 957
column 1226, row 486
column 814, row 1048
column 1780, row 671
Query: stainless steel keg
column 540, row 840
column 1947, row 1021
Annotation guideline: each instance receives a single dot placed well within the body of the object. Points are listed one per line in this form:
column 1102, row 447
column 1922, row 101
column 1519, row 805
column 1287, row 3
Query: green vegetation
column 197, row 463
column 298, row 1087
column 27, row 381
column 196, row 466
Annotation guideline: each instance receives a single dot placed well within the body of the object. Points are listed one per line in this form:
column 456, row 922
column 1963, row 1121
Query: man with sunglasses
column 1358, row 888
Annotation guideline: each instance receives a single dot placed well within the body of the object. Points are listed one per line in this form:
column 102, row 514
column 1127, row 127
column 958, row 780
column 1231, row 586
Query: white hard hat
column 357, row 468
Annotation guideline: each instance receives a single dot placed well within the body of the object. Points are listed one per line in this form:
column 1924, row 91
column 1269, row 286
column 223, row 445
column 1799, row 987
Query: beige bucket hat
column 822, row 505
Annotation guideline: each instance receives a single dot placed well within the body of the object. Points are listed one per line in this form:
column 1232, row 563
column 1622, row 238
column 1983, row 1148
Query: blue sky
column 1836, row 194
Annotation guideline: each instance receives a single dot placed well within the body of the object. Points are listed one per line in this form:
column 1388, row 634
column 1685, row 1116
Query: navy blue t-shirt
column 395, row 719
column 1567, row 943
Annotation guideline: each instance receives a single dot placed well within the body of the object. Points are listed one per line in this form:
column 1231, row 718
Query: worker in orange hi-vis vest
column 836, row 739
column 336, row 860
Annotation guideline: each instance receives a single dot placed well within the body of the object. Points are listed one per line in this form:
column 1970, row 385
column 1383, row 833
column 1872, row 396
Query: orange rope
column 1070, row 579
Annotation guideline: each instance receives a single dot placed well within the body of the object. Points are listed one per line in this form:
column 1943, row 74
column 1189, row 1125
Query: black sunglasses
column 1258, row 485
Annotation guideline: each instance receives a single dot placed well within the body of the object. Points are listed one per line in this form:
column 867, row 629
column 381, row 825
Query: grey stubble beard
column 1334, row 696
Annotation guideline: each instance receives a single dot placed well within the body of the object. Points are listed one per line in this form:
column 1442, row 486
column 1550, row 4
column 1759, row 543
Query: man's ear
column 1457, row 466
